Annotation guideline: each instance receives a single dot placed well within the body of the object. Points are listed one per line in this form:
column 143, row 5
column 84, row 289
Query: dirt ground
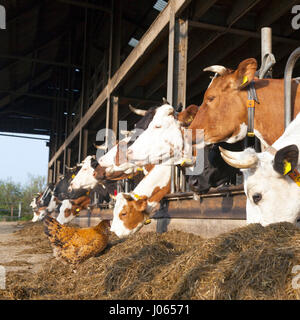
column 16, row 254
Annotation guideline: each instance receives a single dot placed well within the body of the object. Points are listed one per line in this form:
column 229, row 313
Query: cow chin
column 122, row 232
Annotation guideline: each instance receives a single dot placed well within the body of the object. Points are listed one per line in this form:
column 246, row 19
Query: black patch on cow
column 289, row 153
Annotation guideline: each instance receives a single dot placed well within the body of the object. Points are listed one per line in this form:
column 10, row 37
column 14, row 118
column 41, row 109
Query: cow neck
column 294, row 174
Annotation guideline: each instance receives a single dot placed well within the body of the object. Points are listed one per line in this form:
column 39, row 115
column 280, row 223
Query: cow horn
column 102, row 147
column 216, row 69
column 240, row 160
column 70, row 168
column 125, row 132
column 165, row 101
column 139, row 112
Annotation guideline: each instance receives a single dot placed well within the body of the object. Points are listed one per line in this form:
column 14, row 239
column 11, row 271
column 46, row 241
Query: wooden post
column 57, row 170
column 50, row 175
column 115, row 103
column 69, row 153
column 85, row 143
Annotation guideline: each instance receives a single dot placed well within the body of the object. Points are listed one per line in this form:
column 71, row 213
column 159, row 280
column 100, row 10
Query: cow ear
column 141, row 204
column 187, row 116
column 286, row 159
column 245, row 73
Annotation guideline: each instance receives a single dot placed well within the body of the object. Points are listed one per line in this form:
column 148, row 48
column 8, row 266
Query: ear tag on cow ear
column 139, row 169
column 148, row 221
column 87, row 193
column 73, row 176
column 287, row 167
column 77, row 210
column 245, row 80
column 137, row 196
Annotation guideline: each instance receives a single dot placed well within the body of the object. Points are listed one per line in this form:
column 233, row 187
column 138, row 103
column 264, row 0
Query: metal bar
column 288, row 85
column 246, row 33
column 86, row 5
column 32, row 95
column 23, row 137
column 144, row 44
column 69, row 154
column 38, row 61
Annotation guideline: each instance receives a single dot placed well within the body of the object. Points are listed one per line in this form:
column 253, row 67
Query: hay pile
column 252, row 262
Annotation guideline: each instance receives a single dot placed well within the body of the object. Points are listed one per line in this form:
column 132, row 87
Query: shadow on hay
column 242, row 263
column 149, row 258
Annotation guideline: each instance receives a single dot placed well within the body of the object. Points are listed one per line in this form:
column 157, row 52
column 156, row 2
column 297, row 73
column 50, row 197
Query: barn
column 69, row 68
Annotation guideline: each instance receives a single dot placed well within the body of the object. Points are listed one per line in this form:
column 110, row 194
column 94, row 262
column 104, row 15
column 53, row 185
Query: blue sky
column 19, row 157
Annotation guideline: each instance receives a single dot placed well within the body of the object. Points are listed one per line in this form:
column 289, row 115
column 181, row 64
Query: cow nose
column 70, row 188
column 94, row 174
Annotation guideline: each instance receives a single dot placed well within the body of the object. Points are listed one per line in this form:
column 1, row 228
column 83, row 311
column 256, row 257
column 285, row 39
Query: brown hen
column 73, row 244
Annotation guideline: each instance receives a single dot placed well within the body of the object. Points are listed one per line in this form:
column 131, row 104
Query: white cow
column 85, row 179
column 165, row 140
column 272, row 195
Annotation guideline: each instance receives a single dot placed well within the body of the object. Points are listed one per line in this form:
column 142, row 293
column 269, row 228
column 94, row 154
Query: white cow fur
column 84, row 178
column 66, row 204
column 159, row 176
column 280, row 194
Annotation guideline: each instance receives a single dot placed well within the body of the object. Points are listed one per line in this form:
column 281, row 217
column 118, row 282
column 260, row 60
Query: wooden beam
column 144, row 44
column 240, row 32
column 86, row 5
column 240, row 8
column 85, row 143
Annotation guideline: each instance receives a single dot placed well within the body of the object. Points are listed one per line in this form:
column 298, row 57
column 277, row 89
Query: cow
column 70, row 208
column 271, row 178
column 216, row 171
column 41, row 203
column 132, row 210
column 223, row 113
column 163, row 141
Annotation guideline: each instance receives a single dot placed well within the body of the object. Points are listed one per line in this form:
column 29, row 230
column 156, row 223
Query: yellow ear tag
column 189, row 161
column 73, row 176
column 87, row 193
column 139, row 169
column 287, row 167
column 77, row 210
column 148, row 221
column 137, row 196
column 130, row 177
column 245, row 80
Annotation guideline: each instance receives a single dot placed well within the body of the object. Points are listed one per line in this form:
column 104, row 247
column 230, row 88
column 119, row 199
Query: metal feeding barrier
column 288, row 85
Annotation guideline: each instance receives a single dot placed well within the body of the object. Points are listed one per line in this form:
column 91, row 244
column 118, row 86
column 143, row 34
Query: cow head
column 223, row 113
column 272, row 196
column 215, row 172
column 162, row 141
column 85, row 178
column 129, row 214
column 71, row 208
column 39, row 214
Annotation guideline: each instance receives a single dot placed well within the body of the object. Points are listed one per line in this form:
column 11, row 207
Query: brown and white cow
column 71, row 208
column 133, row 209
column 223, row 112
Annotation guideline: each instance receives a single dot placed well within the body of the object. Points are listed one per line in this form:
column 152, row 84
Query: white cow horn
column 70, row 168
column 103, row 147
column 240, row 160
column 139, row 112
column 125, row 132
column 216, row 69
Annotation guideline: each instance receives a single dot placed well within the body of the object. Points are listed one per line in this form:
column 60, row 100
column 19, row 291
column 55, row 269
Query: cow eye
column 210, row 98
column 256, row 197
column 157, row 126
column 123, row 214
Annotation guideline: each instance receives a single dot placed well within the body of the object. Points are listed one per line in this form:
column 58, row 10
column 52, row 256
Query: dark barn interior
column 71, row 67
